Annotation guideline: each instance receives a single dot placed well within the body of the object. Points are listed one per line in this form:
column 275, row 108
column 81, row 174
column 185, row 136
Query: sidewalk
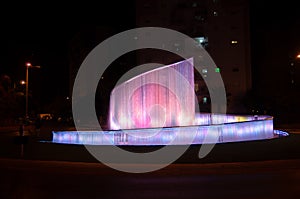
column 289, row 127
column 14, row 130
column 30, row 130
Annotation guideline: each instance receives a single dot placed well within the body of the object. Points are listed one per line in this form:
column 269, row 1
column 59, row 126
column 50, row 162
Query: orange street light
column 28, row 65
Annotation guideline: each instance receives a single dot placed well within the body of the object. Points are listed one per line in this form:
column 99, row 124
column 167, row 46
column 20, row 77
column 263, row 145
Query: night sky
column 41, row 32
column 275, row 42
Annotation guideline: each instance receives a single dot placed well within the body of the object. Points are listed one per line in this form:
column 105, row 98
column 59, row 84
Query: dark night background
column 40, row 32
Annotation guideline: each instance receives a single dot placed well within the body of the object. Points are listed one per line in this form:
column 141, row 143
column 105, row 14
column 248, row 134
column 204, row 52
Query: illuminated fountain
column 163, row 97
column 158, row 108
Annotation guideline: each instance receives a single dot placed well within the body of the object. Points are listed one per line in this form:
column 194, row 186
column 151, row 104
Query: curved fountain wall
column 163, row 97
column 215, row 129
column 158, row 108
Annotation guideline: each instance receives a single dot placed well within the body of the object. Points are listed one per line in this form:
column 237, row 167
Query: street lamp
column 28, row 65
column 294, row 60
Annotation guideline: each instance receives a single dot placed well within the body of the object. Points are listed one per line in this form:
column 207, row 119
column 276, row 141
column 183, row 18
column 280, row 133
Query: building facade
column 221, row 26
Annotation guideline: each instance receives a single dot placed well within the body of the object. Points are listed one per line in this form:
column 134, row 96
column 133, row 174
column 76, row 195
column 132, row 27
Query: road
column 59, row 179
column 260, row 169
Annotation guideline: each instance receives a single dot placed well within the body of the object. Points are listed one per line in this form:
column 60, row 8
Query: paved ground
column 52, row 179
column 259, row 169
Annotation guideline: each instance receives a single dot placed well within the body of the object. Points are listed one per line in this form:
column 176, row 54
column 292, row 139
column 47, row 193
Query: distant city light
column 298, row 56
column 201, row 40
column 234, row 42
column 28, row 64
column 22, row 82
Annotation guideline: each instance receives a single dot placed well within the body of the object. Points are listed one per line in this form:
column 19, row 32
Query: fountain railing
column 208, row 128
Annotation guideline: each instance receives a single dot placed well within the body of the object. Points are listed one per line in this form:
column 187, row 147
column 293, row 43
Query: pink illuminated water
column 155, row 110
column 163, row 97
column 226, row 128
column 158, row 108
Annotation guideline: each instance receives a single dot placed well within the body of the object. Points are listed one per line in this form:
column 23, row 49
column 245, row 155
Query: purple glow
column 157, row 110
column 162, row 97
column 234, row 131
column 209, row 119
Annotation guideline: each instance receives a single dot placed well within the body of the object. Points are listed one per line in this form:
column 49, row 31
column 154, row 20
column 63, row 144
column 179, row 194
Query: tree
column 10, row 102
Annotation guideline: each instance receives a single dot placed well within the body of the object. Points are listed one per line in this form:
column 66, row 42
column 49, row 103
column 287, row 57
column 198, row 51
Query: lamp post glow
column 28, row 65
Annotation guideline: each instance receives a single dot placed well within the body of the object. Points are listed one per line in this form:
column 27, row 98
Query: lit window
column 203, row 41
column 234, row 41
column 204, row 100
column 215, row 13
column 217, row 70
column 204, row 71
